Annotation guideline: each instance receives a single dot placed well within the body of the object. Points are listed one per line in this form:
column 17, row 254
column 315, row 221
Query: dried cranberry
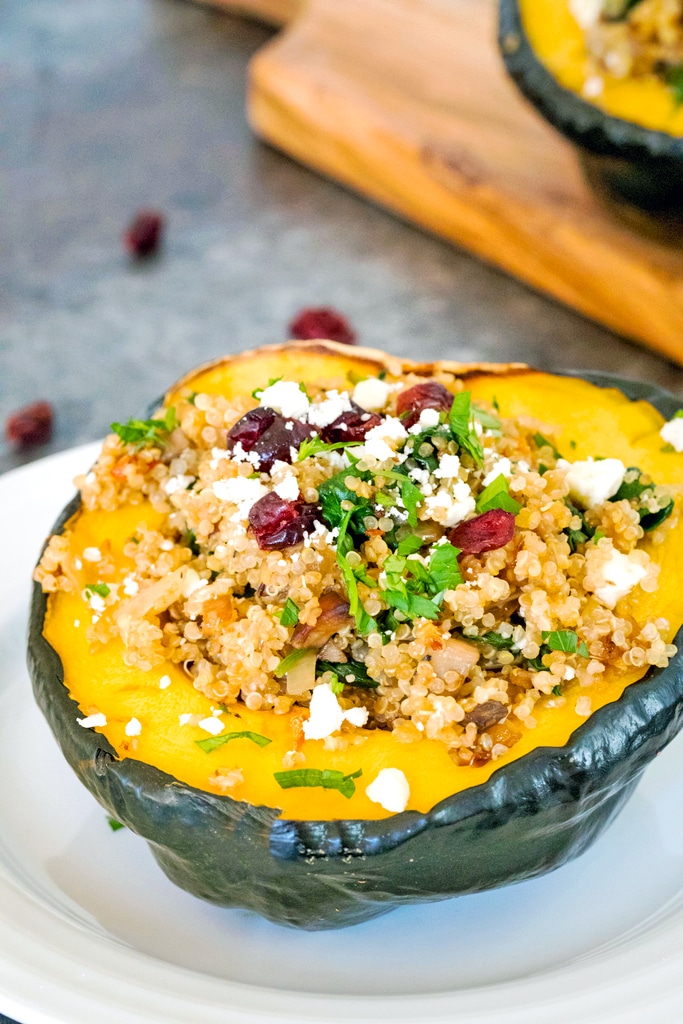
column 249, row 429
column 143, row 235
column 270, row 435
column 350, row 426
column 486, row 532
column 430, row 395
column 279, row 524
column 30, row 425
column 322, row 322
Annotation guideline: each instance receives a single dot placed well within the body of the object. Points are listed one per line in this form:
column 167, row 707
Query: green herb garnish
column 487, row 421
column 218, row 741
column 146, row 432
column 289, row 616
column 314, row 445
column 328, row 778
column 292, row 659
column 356, row 669
column 101, row 589
column 114, row 825
column 459, row 423
column 673, row 76
column 497, row 640
column 542, row 442
column 257, row 392
column 336, row 685
column 364, row 623
column 497, row 495
column 556, row 691
column 189, row 539
column 409, row 545
column 443, row 567
column 565, row 640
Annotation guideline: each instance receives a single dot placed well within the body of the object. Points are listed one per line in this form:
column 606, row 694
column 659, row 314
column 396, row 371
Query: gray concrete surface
column 110, row 105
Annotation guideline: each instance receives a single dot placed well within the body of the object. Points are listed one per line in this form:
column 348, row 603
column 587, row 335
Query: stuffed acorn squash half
column 336, row 631
column 608, row 74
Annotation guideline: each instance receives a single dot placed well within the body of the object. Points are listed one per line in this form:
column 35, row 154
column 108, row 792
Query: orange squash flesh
column 600, row 422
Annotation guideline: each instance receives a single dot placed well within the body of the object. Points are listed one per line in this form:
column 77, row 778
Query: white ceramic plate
column 91, row 930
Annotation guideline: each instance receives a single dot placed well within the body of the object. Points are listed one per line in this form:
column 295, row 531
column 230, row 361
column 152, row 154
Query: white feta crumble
column 593, row 86
column 593, row 481
column 381, row 441
column 96, row 601
column 586, row 12
column 78, row 564
column 238, row 454
column 448, row 467
column 164, row 682
column 92, row 554
column 96, row 721
column 287, row 398
column 241, row 491
column 130, row 586
column 390, row 790
column 371, row 394
column 166, row 545
column 133, row 728
column 321, row 414
column 211, row 725
column 77, row 623
column 501, row 467
column 672, row 433
column 185, row 718
column 620, row 574
column 178, row 483
column 327, row 715
column 450, row 508
column 288, row 489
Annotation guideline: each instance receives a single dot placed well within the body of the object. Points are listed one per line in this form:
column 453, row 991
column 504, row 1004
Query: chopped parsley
column 257, row 392
column 409, row 545
column 189, row 539
column 101, row 589
column 411, row 495
column 336, row 685
column 487, row 421
column 147, row 432
column 115, row 825
column 314, row 445
column 565, row 640
column 459, row 420
column 289, row 616
column 556, row 690
column 213, row 742
column 292, row 659
column 331, row 495
column 542, row 442
column 443, row 567
column 497, row 640
column 639, row 488
column 326, row 778
column 497, row 495
column 580, row 536
column 364, row 623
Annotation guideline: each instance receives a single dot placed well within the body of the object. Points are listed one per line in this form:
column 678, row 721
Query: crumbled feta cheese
column 78, row 564
column 77, row 623
column 586, row 12
column 178, row 483
column 327, row 715
column 133, row 728
column 371, row 394
column 593, row 86
column 321, row 414
column 241, row 491
column 130, row 586
column 238, row 454
column 96, row 601
column 501, row 467
column 448, row 467
column 96, row 721
column 381, row 441
column 288, row 489
column 164, row 682
column 672, row 433
column 212, row 725
column 450, row 508
column 591, row 482
column 185, row 718
column 620, row 574
column 429, row 418
column 92, row 554
column 287, row 398
column 166, row 545
column 390, row 790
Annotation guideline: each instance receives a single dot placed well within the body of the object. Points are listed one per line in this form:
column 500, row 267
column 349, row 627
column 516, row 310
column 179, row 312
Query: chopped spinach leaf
column 497, row 640
column 556, row 690
column 218, row 741
column 189, row 539
column 356, row 669
column 651, row 520
column 332, row 493
column 487, row 421
column 459, row 423
column 542, row 442
column 326, row 778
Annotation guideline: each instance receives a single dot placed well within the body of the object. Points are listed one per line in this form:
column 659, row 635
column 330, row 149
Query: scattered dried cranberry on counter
column 278, row 524
column 322, row 322
column 350, row 426
column 30, row 425
column 430, row 395
column 486, row 532
column 143, row 235
column 270, row 435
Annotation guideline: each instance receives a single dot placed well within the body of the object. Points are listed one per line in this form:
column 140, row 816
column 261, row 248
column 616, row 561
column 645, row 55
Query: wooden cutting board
column 407, row 102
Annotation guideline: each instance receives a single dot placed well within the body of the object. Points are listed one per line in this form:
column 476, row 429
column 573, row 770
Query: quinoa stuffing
column 387, row 555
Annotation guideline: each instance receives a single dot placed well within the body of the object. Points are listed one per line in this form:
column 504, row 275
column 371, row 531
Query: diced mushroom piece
column 486, row 714
column 454, row 656
column 334, row 615
column 301, row 677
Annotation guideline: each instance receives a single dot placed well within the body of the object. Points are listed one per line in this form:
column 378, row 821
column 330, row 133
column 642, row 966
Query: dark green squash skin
column 532, row 815
column 632, row 167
